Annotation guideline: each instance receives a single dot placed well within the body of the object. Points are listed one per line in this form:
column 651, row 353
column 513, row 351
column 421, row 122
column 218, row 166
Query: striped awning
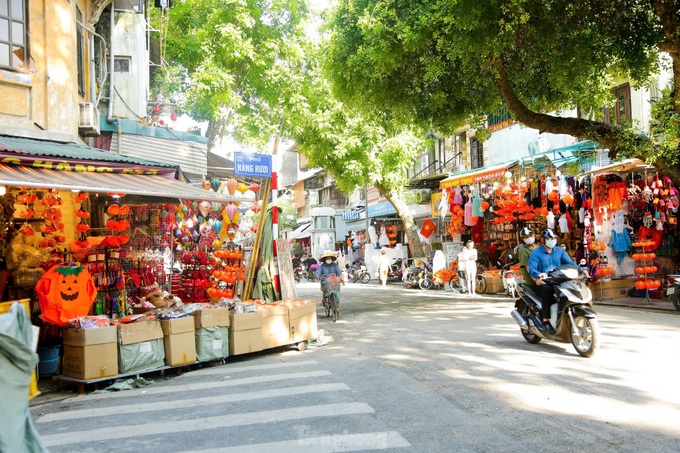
column 148, row 185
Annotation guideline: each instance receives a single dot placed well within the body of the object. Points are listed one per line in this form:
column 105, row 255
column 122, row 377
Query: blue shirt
column 541, row 261
column 325, row 270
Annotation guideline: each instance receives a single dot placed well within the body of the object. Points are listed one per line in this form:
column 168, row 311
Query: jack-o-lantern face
column 65, row 293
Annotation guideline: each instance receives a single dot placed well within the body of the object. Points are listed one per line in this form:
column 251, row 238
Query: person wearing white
column 470, row 260
column 383, row 267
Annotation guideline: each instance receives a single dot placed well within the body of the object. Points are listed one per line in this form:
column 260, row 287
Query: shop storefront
column 126, row 268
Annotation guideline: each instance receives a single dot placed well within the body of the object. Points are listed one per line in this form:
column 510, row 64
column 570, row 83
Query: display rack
column 602, row 263
column 645, row 262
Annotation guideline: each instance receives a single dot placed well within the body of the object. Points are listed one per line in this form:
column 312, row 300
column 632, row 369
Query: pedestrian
column 342, row 263
column 383, row 267
column 470, row 260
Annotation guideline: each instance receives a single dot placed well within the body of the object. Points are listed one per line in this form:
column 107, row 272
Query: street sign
column 255, row 165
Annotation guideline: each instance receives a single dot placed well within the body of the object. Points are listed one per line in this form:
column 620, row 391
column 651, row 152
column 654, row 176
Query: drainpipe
column 109, row 118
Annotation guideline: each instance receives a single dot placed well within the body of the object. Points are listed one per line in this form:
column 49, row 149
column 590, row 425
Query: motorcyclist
column 523, row 253
column 542, row 260
column 307, row 262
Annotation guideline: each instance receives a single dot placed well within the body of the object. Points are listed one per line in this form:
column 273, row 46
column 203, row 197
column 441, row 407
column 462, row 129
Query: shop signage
column 473, row 177
column 502, row 125
column 255, row 165
column 384, row 208
column 76, row 165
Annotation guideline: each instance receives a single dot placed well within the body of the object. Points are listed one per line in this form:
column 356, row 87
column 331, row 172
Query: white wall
column 129, row 39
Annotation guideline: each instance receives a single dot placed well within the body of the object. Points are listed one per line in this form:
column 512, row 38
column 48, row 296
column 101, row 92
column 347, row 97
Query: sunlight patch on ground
column 402, row 358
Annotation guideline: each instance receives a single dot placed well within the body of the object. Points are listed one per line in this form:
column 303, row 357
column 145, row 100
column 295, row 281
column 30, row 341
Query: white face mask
column 529, row 240
column 329, row 261
column 551, row 243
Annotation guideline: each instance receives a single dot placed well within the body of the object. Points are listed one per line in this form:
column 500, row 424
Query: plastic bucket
column 49, row 359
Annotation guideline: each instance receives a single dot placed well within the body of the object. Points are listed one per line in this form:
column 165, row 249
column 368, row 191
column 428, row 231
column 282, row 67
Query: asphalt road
column 409, row 370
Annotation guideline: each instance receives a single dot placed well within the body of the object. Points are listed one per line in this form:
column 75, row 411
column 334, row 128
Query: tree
column 357, row 150
column 233, row 63
column 442, row 62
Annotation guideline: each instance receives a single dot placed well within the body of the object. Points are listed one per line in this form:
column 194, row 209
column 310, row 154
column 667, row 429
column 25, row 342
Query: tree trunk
column 404, row 213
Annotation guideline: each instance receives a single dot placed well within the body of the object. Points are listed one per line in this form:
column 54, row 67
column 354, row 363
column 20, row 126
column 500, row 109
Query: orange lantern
column 568, row 199
column 231, row 186
column 65, row 293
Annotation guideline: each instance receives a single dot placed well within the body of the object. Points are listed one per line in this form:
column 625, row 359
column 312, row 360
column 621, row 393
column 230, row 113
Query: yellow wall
column 45, row 96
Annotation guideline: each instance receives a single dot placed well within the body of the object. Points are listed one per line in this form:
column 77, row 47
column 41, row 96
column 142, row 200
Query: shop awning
column 148, row 185
column 476, row 175
column 562, row 156
column 623, row 166
column 301, row 232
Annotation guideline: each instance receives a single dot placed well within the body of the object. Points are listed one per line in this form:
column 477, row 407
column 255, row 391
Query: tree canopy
column 441, row 62
column 233, row 63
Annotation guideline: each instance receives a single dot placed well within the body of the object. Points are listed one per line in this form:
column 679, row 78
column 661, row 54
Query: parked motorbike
column 673, row 289
column 358, row 272
column 573, row 316
column 411, row 277
column 396, row 272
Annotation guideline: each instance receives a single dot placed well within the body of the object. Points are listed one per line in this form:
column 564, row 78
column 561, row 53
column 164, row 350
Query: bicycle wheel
column 334, row 305
column 327, row 306
column 480, row 284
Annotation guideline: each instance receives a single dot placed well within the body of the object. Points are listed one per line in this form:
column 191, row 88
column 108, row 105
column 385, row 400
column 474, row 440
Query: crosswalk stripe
column 385, row 440
column 222, row 421
column 202, row 385
column 188, row 403
column 226, row 369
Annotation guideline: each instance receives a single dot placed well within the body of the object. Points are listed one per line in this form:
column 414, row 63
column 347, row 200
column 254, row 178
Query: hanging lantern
column 214, row 184
column 254, row 228
column 254, row 187
column 230, row 210
column 243, row 208
column 255, row 208
column 568, row 199
column 231, row 186
column 217, row 226
column 217, row 207
column 242, row 187
column 204, row 208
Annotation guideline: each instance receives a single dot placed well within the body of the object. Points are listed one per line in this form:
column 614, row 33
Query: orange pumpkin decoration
column 65, row 293
column 639, row 270
column 640, row 284
column 568, row 199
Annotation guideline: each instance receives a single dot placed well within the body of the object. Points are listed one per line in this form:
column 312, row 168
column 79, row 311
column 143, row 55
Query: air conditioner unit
column 425, row 195
column 88, row 120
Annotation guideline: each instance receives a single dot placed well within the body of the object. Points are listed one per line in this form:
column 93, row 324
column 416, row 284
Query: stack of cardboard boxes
column 207, row 335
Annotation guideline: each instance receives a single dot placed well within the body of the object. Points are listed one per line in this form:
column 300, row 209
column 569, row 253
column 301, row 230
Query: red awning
column 476, row 175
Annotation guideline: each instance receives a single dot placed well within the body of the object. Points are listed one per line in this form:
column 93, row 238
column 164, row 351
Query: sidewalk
column 637, row 302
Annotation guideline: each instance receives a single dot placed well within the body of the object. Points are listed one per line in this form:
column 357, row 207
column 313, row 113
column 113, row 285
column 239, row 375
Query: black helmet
column 548, row 234
column 526, row 231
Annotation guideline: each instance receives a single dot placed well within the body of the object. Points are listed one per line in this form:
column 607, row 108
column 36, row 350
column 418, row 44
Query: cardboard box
column 141, row 310
column 179, row 341
column 275, row 327
column 494, row 285
column 302, row 318
column 245, row 321
column 214, row 317
column 245, row 341
column 90, row 353
column 138, row 332
column 612, row 289
column 245, row 333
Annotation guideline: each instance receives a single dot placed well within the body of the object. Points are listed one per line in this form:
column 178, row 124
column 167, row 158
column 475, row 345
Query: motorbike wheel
column 365, row 277
column 425, row 283
column 675, row 298
column 355, row 277
column 298, row 278
column 585, row 336
column 528, row 336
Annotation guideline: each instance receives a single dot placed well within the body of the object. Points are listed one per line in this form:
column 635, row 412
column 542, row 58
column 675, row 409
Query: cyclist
column 328, row 266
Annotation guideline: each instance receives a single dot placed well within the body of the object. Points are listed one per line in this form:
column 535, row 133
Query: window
column 498, row 117
column 121, row 64
column 13, row 49
column 476, row 153
column 80, row 42
column 621, row 112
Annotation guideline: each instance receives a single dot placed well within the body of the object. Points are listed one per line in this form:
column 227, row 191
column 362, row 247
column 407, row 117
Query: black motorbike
column 673, row 290
column 575, row 322
column 298, row 273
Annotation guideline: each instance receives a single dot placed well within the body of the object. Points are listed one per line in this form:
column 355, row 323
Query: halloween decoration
column 64, row 293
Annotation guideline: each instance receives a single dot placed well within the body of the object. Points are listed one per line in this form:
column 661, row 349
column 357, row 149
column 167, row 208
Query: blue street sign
column 255, row 165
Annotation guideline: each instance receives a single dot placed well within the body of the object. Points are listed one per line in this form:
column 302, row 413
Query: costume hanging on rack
column 551, row 220
column 469, row 220
column 620, row 241
column 457, row 197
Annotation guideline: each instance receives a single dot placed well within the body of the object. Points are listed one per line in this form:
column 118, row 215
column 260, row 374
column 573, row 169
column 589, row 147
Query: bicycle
column 331, row 292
